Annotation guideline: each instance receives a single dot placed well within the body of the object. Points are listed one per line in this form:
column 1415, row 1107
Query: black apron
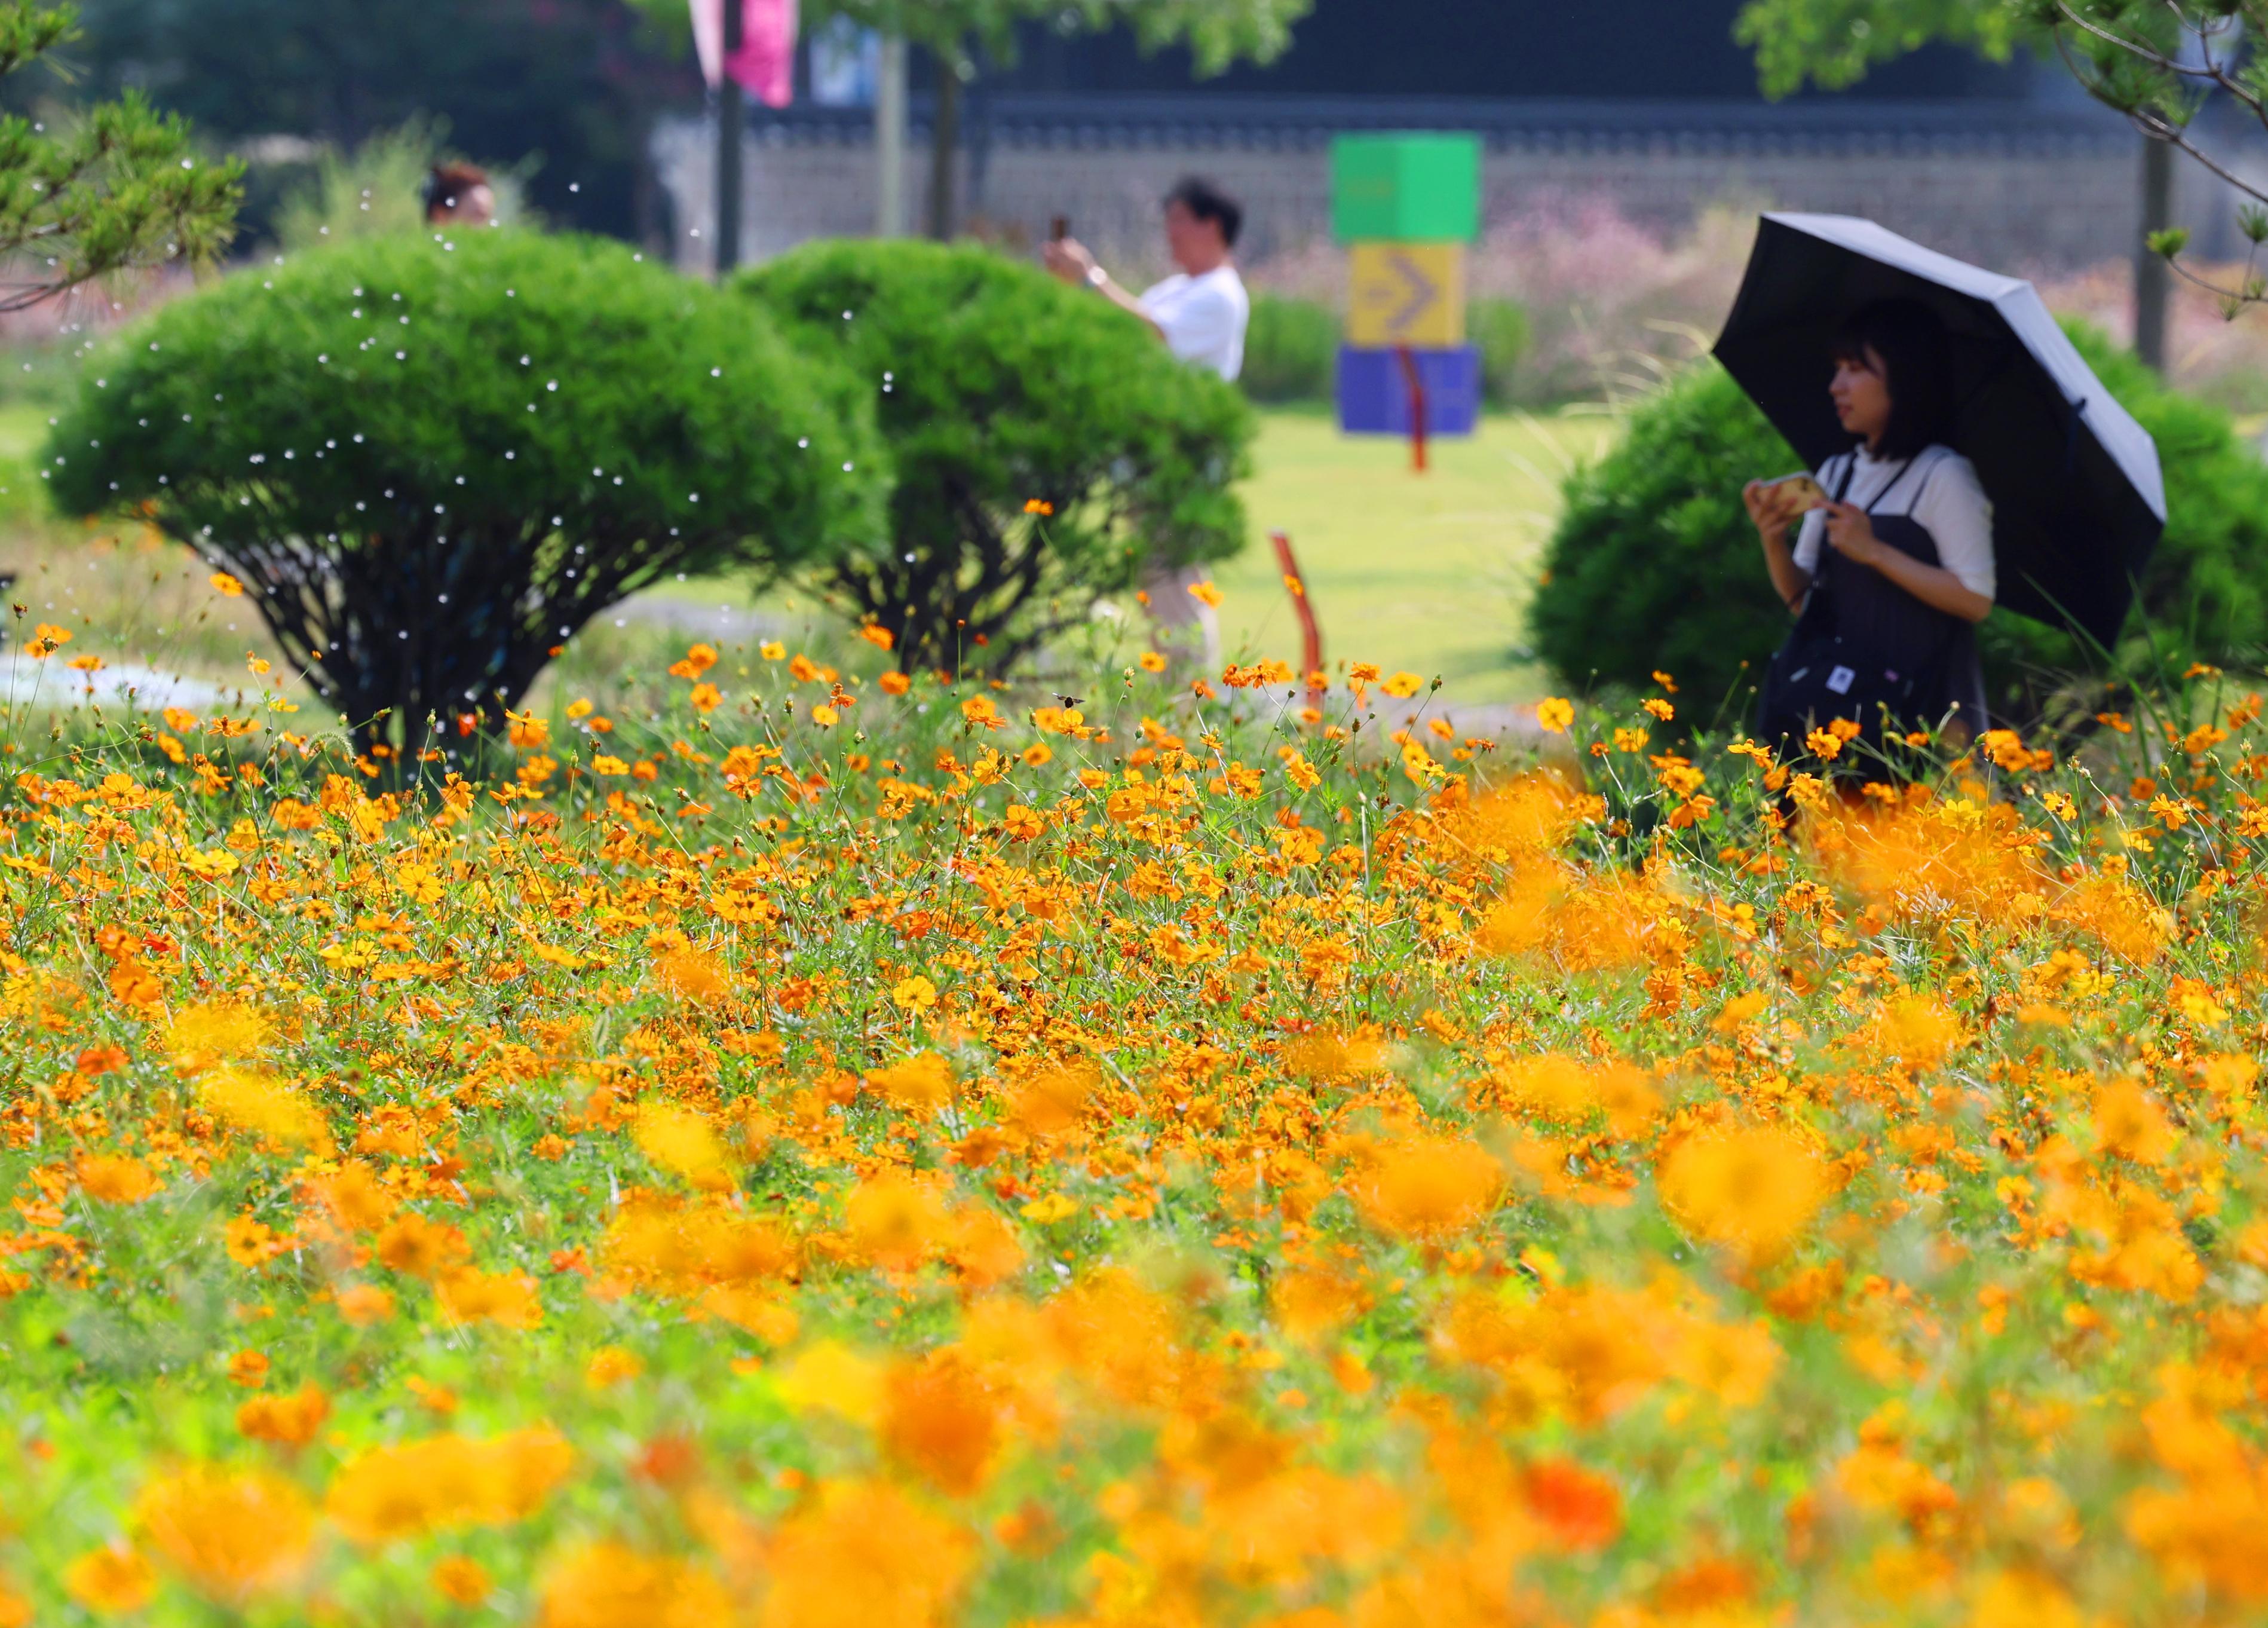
column 1865, row 647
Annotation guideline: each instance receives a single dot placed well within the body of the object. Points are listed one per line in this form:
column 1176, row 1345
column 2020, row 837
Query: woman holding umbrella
column 1957, row 386
column 1891, row 564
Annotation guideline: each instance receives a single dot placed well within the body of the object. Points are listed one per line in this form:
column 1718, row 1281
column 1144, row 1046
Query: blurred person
column 1200, row 312
column 459, row 195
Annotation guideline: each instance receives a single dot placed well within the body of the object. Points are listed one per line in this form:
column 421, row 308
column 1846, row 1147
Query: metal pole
column 2152, row 277
column 890, row 138
column 731, row 120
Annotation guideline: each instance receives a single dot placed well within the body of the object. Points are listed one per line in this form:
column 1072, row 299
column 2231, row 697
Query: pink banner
column 764, row 65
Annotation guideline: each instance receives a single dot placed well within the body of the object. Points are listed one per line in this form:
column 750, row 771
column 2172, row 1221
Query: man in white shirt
column 1201, row 314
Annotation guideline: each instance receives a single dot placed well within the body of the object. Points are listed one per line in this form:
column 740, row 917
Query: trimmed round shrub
column 1044, row 443
column 1654, row 566
column 1500, row 330
column 1291, row 350
column 430, row 465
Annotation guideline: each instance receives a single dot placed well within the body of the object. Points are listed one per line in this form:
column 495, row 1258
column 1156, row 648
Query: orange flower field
column 804, row 1151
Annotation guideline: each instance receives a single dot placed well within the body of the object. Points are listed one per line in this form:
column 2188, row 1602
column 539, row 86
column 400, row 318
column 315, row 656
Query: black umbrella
column 2077, row 500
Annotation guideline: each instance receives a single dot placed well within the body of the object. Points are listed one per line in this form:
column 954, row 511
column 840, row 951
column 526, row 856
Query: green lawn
column 1429, row 572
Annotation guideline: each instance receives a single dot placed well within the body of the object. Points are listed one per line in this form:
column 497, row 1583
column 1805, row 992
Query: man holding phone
column 1201, row 314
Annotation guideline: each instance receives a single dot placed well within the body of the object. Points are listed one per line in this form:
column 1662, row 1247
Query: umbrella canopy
column 2077, row 500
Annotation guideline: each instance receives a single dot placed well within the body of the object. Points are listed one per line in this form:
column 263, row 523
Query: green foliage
column 115, row 188
column 1218, row 32
column 1832, row 43
column 574, row 82
column 2156, row 62
column 1654, row 563
column 997, row 387
column 1290, row 349
column 1501, row 330
column 373, row 191
column 430, row 464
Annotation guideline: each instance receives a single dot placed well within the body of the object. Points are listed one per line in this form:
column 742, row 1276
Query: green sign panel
column 1406, row 187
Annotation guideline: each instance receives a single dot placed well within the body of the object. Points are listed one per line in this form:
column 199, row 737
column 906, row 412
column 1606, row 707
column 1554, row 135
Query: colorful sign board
column 1406, row 187
column 1406, row 204
column 1406, row 294
column 1374, row 396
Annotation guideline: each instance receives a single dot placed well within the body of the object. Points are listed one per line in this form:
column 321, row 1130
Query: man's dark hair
column 1205, row 199
column 1916, row 359
column 445, row 183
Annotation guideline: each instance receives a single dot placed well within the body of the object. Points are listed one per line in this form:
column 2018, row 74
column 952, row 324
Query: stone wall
column 2011, row 186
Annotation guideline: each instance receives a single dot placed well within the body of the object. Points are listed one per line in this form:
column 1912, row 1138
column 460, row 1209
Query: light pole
column 730, row 118
column 890, row 137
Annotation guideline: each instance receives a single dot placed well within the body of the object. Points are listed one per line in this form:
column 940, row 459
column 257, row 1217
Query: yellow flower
column 226, row 585
column 681, row 1141
column 914, row 994
column 1555, row 713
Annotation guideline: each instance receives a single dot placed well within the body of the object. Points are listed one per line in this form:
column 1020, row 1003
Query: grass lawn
column 1429, row 572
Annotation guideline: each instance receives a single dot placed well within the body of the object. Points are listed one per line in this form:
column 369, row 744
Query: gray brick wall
column 2019, row 192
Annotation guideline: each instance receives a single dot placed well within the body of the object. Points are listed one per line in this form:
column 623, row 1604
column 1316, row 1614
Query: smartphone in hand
column 1792, row 497
column 1058, row 229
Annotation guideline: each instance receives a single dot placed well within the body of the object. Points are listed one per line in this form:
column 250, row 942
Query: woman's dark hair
column 445, row 183
column 1917, row 366
column 1206, row 200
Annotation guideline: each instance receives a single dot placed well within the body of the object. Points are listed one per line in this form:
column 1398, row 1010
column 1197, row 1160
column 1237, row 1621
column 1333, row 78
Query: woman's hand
column 1769, row 517
column 1850, row 533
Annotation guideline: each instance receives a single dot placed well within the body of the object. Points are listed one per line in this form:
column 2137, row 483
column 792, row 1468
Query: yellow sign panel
column 1406, row 294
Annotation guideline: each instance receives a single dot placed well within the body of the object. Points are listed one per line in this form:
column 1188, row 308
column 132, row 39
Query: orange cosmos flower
column 112, row 1178
column 289, row 1421
column 614, row 1586
column 1751, row 1190
column 1431, row 1187
column 111, row 1581
column 230, row 1535
column 697, row 661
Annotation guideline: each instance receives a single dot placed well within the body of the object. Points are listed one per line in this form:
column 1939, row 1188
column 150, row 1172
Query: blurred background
column 1627, row 153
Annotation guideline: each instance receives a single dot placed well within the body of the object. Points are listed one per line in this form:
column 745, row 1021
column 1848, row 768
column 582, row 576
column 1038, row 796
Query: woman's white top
column 1939, row 490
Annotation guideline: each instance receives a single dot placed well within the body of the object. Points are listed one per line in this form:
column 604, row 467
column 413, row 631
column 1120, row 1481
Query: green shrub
column 428, row 466
column 1654, row 566
column 1043, row 441
column 1499, row 328
column 1291, row 350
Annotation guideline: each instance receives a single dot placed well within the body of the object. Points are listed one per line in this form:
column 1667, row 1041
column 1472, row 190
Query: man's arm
column 1069, row 259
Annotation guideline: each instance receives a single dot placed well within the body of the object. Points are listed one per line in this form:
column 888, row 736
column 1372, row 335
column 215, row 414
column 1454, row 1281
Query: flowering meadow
column 834, row 1147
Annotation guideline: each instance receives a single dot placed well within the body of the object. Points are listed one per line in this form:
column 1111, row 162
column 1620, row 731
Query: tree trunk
column 2152, row 277
column 944, row 136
